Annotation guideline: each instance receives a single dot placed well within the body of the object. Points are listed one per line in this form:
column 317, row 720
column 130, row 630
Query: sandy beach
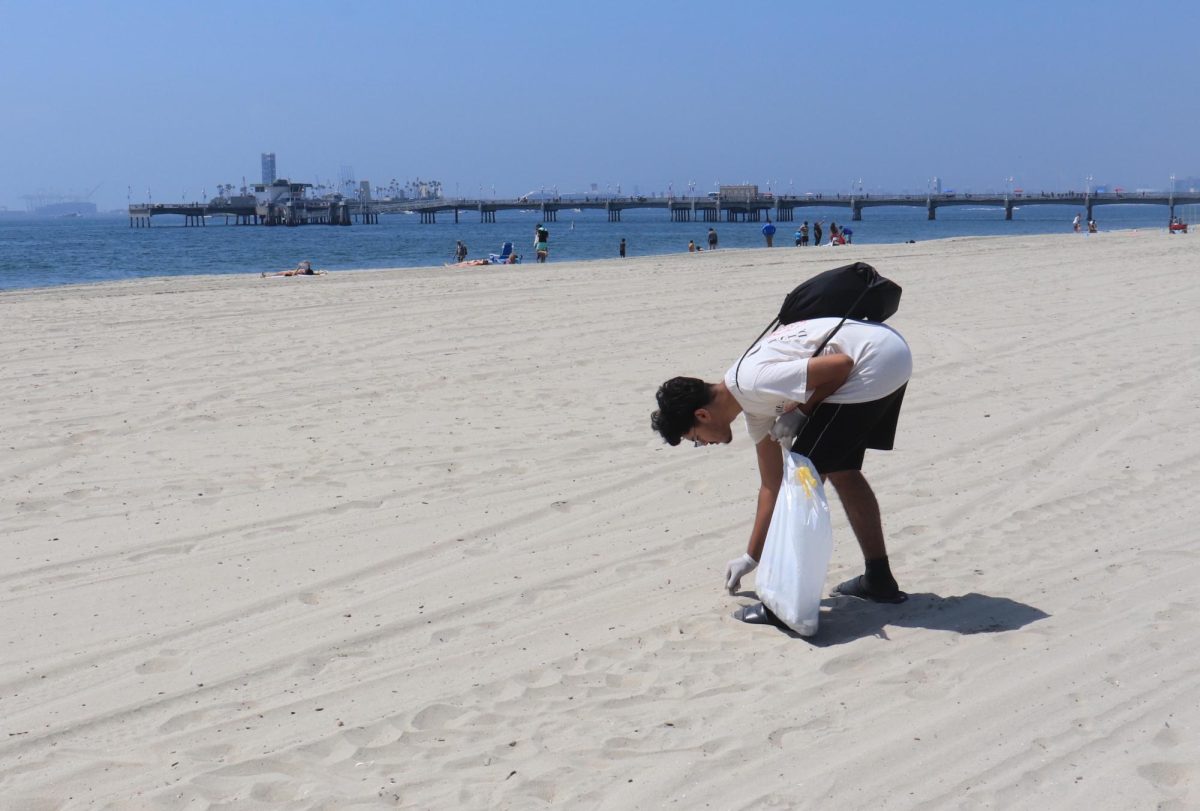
column 406, row 539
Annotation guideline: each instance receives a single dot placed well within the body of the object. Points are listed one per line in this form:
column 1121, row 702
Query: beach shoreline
column 50, row 254
column 406, row 537
column 525, row 265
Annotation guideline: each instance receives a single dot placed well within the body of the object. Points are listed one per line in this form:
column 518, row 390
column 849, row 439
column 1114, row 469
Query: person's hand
column 736, row 569
column 786, row 428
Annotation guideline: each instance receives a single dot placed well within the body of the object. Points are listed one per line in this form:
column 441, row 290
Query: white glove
column 736, row 569
column 786, row 428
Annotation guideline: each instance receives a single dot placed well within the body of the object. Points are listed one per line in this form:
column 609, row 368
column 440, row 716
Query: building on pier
column 268, row 168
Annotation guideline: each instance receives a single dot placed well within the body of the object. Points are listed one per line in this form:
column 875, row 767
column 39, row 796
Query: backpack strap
column 833, row 331
column 774, row 323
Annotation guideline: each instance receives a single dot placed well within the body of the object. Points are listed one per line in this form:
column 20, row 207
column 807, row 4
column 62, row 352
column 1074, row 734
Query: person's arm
column 770, row 475
column 823, row 376
column 826, row 375
column 770, row 472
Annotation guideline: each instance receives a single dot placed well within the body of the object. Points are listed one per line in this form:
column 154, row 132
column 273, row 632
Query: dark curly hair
column 678, row 400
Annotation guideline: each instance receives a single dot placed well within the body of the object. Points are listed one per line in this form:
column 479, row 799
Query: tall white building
column 268, row 168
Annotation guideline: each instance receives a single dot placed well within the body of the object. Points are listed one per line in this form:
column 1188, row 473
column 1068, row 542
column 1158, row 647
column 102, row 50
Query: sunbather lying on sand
column 305, row 268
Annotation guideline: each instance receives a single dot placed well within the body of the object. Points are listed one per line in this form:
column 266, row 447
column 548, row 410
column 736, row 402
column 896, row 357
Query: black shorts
column 837, row 436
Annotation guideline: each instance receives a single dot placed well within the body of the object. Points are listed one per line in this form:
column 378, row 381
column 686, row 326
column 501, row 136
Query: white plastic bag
column 791, row 574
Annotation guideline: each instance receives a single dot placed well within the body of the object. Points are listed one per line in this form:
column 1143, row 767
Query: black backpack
column 852, row 291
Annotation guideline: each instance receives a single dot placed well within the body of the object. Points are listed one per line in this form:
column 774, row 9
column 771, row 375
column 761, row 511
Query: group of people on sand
column 837, row 234
column 1076, row 225
column 541, row 249
column 711, row 239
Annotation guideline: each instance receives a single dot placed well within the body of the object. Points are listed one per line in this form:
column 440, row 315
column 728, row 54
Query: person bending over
column 835, row 406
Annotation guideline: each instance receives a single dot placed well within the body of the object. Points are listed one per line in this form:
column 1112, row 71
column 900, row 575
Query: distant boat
column 75, row 208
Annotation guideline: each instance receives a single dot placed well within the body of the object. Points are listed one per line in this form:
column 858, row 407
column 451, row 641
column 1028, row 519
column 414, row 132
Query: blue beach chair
column 504, row 257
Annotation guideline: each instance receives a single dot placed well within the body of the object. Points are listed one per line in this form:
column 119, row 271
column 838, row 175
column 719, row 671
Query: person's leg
column 862, row 510
column 835, row 440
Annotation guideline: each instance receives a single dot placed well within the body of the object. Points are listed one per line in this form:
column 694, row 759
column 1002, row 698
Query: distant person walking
column 712, row 239
column 768, row 231
column 541, row 242
column 622, row 248
column 1075, row 223
column 817, row 232
column 804, row 234
column 796, row 236
column 460, row 252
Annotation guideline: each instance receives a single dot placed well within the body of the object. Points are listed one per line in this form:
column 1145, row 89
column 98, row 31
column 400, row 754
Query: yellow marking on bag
column 805, row 479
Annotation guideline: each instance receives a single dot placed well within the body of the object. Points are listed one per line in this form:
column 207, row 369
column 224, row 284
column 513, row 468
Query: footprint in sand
column 1166, row 775
column 275, row 791
column 846, row 663
column 778, row 737
column 1168, row 737
column 543, row 594
column 930, row 680
column 436, row 716
column 166, row 661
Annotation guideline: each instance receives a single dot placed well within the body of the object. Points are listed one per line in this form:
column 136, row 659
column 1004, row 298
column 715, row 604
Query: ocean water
column 47, row 252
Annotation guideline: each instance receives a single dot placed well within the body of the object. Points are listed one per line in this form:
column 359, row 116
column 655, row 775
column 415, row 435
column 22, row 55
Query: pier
column 780, row 208
column 733, row 208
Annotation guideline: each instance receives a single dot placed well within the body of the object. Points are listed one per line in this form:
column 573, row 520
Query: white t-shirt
column 774, row 374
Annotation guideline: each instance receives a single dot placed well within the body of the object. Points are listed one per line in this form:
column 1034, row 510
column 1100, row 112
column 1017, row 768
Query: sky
column 168, row 100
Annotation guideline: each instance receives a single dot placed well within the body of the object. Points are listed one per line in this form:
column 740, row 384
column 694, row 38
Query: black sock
column 879, row 576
